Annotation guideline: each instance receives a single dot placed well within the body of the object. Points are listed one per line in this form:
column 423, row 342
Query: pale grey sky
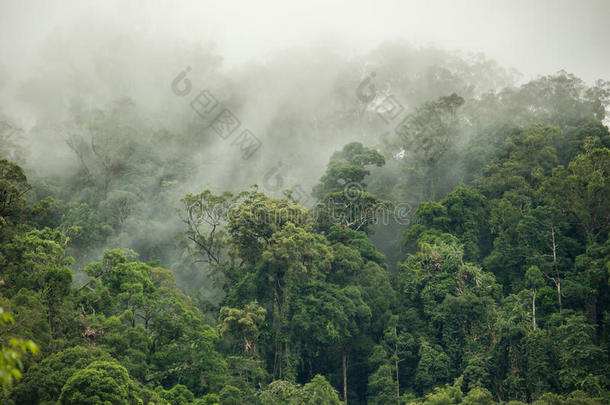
column 533, row 36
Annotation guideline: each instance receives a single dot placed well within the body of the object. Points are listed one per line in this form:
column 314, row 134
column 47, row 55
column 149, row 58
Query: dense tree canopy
column 496, row 290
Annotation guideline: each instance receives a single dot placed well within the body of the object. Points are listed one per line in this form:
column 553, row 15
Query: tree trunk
column 557, row 280
column 397, row 384
column 557, row 283
column 344, row 378
column 559, row 293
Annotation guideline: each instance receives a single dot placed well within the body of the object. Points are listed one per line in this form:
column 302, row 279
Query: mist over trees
column 416, row 226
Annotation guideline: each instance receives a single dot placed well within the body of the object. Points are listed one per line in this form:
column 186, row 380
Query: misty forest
column 406, row 224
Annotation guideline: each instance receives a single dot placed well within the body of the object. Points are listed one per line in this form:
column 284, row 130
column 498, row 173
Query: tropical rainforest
column 434, row 233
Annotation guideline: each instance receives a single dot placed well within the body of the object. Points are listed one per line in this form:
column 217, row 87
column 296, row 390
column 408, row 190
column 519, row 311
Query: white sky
column 535, row 37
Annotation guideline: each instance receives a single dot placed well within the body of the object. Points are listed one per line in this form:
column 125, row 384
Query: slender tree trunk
column 288, row 369
column 396, row 365
column 558, row 284
column 397, row 384
column 557, row 279
column 277, row 361
column 344, row 378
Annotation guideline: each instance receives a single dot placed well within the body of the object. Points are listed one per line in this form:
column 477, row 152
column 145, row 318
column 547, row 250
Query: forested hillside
column 450, row 248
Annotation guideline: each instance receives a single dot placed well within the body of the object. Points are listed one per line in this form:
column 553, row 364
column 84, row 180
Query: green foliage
column 43, row 381
column 177, row 395
column 101, row 382
column 280, row 392
column 243, row 324
column 11, row 363
column 347, row 167
column 316, row 392
column 319, row 391
column 582, row 187
column 342, row 196
column 579, row 358
column 463, row 214
column 533, row 278
column 13, row 186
